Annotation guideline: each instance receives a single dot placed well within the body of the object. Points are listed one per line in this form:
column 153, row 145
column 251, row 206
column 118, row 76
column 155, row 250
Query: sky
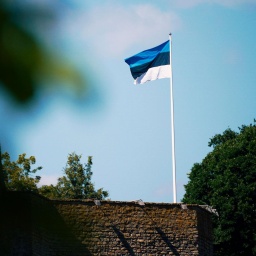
column 127, row 128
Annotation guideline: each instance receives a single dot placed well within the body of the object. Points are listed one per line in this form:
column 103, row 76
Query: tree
column 226, row 180
column 18, row 175
column 76, row 183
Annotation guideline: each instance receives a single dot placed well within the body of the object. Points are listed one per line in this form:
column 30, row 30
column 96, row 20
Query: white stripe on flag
column 154, row 73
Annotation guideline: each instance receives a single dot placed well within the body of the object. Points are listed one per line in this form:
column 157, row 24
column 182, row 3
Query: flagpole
column 172, row 126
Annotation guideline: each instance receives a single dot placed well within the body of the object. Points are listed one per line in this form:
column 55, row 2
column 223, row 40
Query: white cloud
column 48, row 180
column 111, row 30
column 229, row 3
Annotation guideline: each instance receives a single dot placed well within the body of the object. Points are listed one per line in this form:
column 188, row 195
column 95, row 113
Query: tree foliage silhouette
column 19, row 175
column 226, row 180
column 76, row 183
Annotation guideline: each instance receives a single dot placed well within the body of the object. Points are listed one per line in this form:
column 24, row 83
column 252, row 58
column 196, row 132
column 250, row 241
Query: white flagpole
column 172, row 124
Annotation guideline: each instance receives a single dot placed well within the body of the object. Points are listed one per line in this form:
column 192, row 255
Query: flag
column 151, row 64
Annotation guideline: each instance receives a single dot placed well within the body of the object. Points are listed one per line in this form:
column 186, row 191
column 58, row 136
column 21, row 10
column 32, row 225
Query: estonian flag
column 151, row 64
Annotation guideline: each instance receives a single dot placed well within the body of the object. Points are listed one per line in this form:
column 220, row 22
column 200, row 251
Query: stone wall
column 33, row 225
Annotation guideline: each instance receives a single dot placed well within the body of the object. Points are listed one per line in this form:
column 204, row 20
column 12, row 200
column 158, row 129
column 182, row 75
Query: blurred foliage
column 226, row 180
column 76, row 184
column 24, row 62
column 18, row 175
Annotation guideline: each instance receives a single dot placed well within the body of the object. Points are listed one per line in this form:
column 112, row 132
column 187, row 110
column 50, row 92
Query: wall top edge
column 138, row 203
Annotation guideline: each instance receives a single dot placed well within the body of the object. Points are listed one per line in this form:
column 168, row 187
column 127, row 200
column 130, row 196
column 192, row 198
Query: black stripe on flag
column 160, row 60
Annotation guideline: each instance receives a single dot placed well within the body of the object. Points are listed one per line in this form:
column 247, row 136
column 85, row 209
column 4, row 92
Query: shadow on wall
column 167, row 241
column 29, row 226
column 163, row 236
column 159, row 231
column 123, row 240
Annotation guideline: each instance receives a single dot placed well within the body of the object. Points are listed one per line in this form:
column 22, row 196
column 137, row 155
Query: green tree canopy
column 226, row 180
column 19, row 175
column 76, row 183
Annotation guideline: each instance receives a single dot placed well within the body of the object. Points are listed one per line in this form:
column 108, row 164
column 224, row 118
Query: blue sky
column 127, row 128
